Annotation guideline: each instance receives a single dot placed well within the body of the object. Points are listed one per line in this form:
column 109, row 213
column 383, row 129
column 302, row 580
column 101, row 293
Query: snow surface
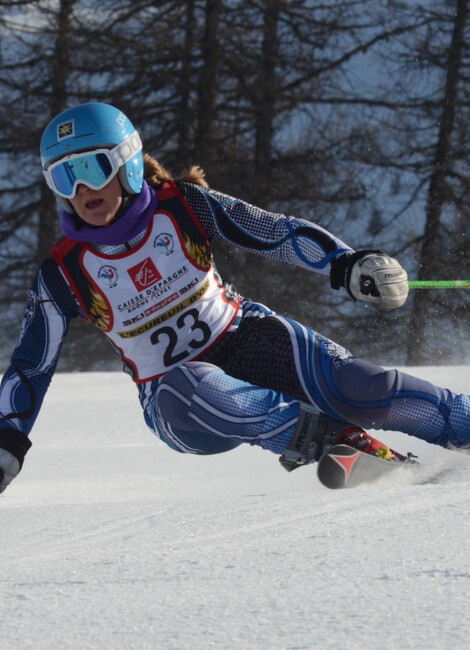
column 111, row 540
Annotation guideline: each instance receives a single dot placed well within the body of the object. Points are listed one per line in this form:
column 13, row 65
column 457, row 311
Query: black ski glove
column 371, row 276
column 13, row 447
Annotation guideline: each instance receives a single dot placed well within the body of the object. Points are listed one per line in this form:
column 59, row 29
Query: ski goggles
column 91, row 168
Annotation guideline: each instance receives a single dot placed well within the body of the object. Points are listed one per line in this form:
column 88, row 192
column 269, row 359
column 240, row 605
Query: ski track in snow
column 111, row 540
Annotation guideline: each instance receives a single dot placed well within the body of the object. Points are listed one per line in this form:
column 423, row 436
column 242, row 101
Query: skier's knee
column 176, row 390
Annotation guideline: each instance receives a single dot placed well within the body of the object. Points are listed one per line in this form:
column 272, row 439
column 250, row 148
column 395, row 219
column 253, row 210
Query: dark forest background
column 353, row 114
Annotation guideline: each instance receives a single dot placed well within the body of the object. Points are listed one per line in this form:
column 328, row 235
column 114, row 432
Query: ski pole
column 439, row 284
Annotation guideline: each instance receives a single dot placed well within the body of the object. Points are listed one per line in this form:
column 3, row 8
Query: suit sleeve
column 49, row 310
column 277, row 236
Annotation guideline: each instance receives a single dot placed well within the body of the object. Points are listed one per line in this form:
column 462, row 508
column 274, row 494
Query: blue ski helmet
column 94, row 126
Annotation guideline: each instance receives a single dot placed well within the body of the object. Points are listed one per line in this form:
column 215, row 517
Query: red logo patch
column 346, row 462
column 144, row 274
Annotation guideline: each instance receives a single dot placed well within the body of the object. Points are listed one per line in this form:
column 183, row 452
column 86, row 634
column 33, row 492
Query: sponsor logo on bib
column 144, row 274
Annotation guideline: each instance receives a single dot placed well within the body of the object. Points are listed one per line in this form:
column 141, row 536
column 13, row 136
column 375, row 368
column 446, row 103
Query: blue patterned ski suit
column 249, row 385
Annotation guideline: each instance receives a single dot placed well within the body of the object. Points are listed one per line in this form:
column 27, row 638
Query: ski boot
column 315, row 433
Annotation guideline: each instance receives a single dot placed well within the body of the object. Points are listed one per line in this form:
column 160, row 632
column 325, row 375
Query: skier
column 213, row 370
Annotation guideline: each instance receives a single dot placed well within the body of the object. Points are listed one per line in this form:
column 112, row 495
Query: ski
column 345, row 467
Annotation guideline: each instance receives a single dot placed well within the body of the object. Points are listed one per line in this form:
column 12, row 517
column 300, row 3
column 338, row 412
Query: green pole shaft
column 439, row 284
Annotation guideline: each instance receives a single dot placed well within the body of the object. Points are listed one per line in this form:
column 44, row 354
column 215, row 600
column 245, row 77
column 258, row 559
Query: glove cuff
column 341, row 268
column 16, row 442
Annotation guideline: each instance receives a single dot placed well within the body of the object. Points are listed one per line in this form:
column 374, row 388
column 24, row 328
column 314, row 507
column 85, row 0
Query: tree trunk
column 208, row 85
column 429, row 257
column 47, row 233
column 184, row 89
column 266, row 109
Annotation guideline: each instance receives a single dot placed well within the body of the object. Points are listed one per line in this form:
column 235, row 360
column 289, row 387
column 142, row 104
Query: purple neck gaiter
column 133, row 221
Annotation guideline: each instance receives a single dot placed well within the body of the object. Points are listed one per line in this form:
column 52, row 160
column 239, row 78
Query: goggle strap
column 127, row 149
